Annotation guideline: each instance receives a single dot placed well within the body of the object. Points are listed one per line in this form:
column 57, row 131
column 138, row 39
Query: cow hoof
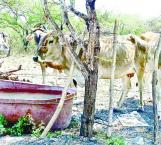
column 140, row 109
column 159, row 115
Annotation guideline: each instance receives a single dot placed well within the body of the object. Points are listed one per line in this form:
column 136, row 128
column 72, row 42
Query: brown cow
column 146, row 45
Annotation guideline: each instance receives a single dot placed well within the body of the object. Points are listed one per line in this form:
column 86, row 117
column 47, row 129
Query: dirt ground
column 133, row 134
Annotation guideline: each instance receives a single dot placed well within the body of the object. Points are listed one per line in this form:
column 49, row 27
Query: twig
column 79, row 14
column 60, row 105
column 61, row 102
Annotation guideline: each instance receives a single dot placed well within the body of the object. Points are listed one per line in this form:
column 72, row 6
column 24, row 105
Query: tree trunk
column 89, row 69
column 87, row 119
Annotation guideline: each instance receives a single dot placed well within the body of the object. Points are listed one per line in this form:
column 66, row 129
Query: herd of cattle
column 135, row 55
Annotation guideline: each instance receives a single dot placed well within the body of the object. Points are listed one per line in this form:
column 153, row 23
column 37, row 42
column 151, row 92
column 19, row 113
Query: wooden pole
column 61, row 102
column 60, row 105
column 154, row 82
column 111, row 89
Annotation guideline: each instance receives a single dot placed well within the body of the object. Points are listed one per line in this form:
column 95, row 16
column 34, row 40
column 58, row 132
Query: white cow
column 56, row 56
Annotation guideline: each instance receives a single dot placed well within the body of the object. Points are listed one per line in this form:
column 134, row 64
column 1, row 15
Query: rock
column 136, row 141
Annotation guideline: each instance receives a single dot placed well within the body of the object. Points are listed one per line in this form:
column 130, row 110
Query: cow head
column 37, row 34
column 142, row 51
column 51, row 48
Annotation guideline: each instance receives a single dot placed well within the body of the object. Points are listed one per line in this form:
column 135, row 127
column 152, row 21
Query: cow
column 45, row 39
column 56, row 56
column 146, row 46
column 4, row 44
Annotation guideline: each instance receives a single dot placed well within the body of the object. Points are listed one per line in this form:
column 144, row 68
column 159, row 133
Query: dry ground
column 31, row 71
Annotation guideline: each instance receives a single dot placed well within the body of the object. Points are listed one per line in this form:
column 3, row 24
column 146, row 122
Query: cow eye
column 51, row 41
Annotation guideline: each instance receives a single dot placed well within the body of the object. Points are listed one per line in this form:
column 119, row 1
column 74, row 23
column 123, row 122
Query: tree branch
column 69, row 25
column 66, row 19
column 79, row 14
column 70, row 50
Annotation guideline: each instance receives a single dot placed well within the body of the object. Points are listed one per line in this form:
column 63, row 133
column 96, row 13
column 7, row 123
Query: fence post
column 111, row 89
column 154, row 95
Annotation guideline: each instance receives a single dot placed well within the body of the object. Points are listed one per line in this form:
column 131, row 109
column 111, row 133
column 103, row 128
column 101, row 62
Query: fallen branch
column 7, row 75
column 11, row 71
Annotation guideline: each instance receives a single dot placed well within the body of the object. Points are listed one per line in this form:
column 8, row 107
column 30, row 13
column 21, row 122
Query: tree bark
column 154, row 82
column 87, row 119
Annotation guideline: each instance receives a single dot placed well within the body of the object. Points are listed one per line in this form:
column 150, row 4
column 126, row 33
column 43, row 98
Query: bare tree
column 88, row 69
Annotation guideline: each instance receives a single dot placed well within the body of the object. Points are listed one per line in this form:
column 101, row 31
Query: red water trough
column 18, row 99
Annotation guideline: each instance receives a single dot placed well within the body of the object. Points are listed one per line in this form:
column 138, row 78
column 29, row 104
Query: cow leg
column 140, row 75
column 126, row 87
column 43, row 69
column 56, row 76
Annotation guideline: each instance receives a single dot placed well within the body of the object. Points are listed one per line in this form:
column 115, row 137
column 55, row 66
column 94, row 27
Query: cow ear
column 142, row 37
column 132, row 39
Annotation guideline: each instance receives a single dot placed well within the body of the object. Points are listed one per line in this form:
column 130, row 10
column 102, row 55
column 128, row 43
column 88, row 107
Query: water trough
column 20, row 98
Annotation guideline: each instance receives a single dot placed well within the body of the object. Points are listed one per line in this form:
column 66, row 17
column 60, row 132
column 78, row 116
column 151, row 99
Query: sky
column 143, row 8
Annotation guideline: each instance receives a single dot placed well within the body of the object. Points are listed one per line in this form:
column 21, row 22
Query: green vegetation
column 127, row 23
column 37, row 131
column 3, row 123
column 74, row 123
column 22, row 15
column 24, row 125
column 18, row 17
column 54, row 134
column 114, row 140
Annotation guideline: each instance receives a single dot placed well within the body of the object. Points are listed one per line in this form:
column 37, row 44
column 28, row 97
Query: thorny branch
column 80, row 42
column 70, row 50
column 79, row 14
